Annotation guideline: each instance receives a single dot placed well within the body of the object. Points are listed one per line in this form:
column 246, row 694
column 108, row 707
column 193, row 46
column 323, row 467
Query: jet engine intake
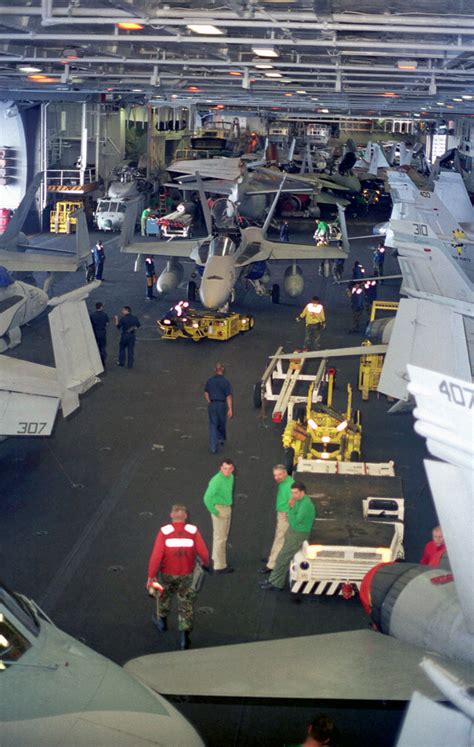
column 379, row 331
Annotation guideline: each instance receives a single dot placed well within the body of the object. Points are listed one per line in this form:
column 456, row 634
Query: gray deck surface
column 80, row 510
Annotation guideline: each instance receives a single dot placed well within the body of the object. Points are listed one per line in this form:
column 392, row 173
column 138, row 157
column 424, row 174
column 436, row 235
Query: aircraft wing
column 216, row 186
column 30, row 395
column 179, row 249
column 429, row 335
column 213, row 168
column 284, row 250
column 357, row 665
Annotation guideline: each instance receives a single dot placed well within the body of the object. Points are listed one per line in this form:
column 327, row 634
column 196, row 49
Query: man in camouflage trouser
column 181, row 586
column 177, row 546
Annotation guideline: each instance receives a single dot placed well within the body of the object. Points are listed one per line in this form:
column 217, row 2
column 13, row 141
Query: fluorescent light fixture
column 286, row 80
column 274, row 75
column 457, row 99
column 29, row 69
column 137, row 90
column 467, row 97
column 324, row 111
column 288, row 94
column 314, row 98
column 300, row 90
column 440, row 103
column 265, row 51
column 415, row 114
column 407, row 64
column 204, row 28
column 263, row 65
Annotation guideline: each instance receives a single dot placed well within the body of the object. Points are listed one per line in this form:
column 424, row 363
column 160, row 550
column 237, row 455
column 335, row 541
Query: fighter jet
column 17, row 254
column 230, row 253
column 416, row 608
column 55, row 691
column 30, row 394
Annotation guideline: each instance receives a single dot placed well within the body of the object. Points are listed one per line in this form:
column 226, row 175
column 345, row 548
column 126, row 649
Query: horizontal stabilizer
column 129, row 223
column 179, row 248
column 424, row 334
column 27, row 414
column 335, row 352
column 307, row 667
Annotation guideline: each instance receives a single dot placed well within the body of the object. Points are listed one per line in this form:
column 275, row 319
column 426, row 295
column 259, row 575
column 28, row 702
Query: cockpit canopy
column 222, row 246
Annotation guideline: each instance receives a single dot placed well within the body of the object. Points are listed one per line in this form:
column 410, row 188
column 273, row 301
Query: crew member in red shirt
column 435, row 549
column 177, row 546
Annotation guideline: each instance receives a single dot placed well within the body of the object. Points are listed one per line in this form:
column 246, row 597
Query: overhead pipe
column 250, row 41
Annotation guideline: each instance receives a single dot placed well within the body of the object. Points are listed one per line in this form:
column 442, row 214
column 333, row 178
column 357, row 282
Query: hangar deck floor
column 80, row 510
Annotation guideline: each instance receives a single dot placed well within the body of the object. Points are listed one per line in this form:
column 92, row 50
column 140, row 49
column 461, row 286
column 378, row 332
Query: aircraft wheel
column 191, row 291
column 289, row 460
column 257, row 395
column 251, row 322
column 275, row 293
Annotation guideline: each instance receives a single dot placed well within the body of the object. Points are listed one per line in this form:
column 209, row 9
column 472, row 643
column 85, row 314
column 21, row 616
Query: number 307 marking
column 459, row 395
column 420, row 229
column 31, row 429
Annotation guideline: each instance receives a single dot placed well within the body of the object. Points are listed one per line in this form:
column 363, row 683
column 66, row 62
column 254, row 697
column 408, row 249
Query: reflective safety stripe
column 190, row 528
column 182, row 542
column 167, row 529
column 314, row 309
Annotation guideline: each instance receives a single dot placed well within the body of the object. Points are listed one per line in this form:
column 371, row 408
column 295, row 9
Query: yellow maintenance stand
column 61, row 219
column 370, row 367
column 181, row 321
column 323, row 433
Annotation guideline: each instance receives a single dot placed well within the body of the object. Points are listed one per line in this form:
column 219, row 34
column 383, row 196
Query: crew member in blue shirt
column 99, row 321
column 127, row 324
column 99, row 259
column 218, row 394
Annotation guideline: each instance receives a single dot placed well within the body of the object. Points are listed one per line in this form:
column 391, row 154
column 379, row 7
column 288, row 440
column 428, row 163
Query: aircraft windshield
column 103, row 206
column 222, row 246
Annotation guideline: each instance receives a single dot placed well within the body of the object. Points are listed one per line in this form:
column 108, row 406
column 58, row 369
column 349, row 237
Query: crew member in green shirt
column 301, row 515
column 283, row 496
column 218, row 501
column 143, row 219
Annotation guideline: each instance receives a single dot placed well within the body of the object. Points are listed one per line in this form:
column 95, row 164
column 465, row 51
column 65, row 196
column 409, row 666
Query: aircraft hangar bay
column 280, row 193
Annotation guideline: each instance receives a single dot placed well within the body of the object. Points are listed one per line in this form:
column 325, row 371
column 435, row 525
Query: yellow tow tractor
column 319, row 432
column 181, row 321
column 61, row 219
column 370, row 367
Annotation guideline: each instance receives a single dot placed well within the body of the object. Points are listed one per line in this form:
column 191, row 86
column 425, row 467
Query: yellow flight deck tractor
column 61, row 218
column 181, row 321
column 370, row 367
column 322, row 433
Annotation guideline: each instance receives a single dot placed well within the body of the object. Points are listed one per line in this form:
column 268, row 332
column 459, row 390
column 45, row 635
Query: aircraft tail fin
column 129, row 222
column 445, row 417
column 378, row 160
column 452, row 193
column 19, row 217
column 342, row 221
column 75, row 349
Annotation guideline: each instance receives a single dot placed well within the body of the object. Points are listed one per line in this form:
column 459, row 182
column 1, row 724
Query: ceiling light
column 323, row 111
column 42, row 79
column 389, row 94
column 314, row 98
column 265, row 51
column 440, row 103
column 286, row 80
column 73, row 53
column 273, row 75
column 204, row 28
column 194, row 89
column 300, row 90
column 415, row 114
column 137, row 90
column 407, row 64
column 29, row 69
column 220, row 106
column 457, row 99
column 263, row 65
column 467, row 97
column 235, row 72
column 288, row 94
column 130, row 26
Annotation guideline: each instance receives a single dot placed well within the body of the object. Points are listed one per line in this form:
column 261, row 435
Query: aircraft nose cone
column 213, row 294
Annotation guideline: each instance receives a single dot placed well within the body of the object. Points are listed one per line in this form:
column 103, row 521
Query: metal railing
column 71, row 176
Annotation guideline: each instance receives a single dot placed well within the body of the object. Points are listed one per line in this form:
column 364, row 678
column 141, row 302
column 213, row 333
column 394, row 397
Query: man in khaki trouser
column 284, row 482
column 218, row 501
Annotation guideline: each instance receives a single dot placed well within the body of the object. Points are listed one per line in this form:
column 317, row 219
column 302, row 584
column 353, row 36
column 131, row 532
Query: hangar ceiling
column 395, row 57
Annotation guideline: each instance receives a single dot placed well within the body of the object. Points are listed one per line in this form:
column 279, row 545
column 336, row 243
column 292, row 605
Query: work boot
column 160, row 623
column 184, row 640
